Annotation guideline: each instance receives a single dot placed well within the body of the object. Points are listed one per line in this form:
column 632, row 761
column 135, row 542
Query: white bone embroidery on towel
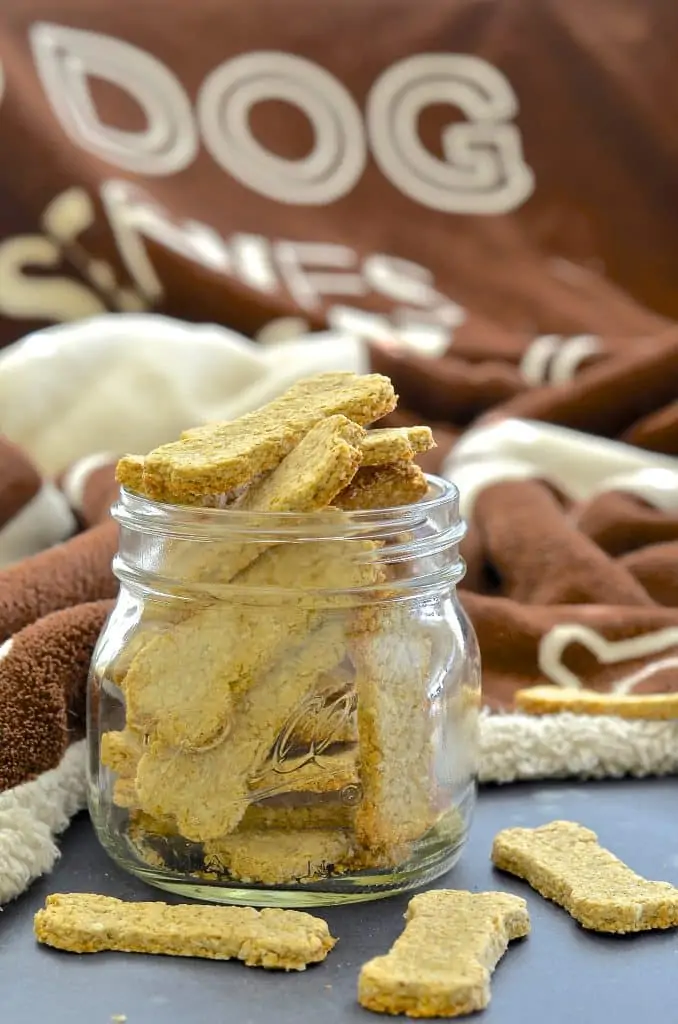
column 551, row 359
column 608, row 652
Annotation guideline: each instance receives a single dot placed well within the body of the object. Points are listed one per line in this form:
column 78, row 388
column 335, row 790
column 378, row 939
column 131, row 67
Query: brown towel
column 71, row 573
column 43, row 678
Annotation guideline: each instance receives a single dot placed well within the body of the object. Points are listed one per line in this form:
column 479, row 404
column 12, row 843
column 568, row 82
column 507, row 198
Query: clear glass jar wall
column 283, row 709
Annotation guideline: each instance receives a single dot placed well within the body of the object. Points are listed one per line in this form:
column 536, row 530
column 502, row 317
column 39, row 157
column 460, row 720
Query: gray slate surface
column 560, row 975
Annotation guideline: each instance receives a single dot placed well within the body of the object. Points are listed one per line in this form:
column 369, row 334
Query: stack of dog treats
column 247, row 723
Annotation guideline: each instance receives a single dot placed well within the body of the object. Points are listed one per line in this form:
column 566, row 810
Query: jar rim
column 136, row 511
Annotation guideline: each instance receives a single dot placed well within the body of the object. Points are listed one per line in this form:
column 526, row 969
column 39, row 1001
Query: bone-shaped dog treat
column 395, row 444
column 120, row 751
column 285, row 813
column 183, row 685
column 218, row 457
column 208, row 792
column 395, row 739
column 275, row 858
column 441, row 964
column 396, row 483
column 565, row 863
column 550, row 700
column 378, row 447
column 305, row 481
column 327, row 773
column 275, row 939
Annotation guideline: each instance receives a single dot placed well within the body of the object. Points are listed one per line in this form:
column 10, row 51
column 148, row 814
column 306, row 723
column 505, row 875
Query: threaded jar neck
column 163, row 547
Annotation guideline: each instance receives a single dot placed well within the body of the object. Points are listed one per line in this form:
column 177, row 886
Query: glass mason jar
column 283, row 708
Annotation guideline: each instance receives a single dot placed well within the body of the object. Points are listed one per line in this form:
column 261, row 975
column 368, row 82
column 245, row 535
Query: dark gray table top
column 559, row 975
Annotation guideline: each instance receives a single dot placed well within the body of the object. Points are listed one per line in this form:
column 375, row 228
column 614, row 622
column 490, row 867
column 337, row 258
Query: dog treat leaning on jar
column 280, row 719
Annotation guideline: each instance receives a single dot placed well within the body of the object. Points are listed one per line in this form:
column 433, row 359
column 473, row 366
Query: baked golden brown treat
column 550, row 700
column 276, row 939
column 276, row 858
column 218, row 457
column 395, row 739
column 208, row 792
column 441, row 964
column 565, row 863
column 395, row 444
column 387, row 486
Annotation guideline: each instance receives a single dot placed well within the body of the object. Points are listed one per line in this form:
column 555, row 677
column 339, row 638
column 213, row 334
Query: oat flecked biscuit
column 441, row 964
column 551, row 700
column 275, row 939
column 218, row 457
column 395, row 444
column 121, row 750
column 208, row 792
column 276, row 858
column 326, row 773
column 330, row 716
column 395, row 736
column 565, row 863
column 285, row 813
column 182, row 687
column 387, row 486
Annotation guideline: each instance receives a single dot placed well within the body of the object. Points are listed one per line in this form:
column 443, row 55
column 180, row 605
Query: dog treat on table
column 275, row 939
column 216, row 458
column 565, row 863
column 550, row 700
column 395, row 483
column 441, row 964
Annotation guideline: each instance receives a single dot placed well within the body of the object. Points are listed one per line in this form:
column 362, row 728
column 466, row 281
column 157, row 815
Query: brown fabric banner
column 457, row 166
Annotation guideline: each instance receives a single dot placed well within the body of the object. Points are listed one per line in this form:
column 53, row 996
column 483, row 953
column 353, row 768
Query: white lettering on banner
column 423, row 320
column 67, row 216
column 483, row 170
column 66, row 58
column 252, row 261
column 133, row 216
column 295, row 260
column 309, row 271
column 52, row 298
column 337, row 158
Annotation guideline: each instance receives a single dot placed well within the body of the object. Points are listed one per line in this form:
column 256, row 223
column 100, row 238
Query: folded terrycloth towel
column 572, row 550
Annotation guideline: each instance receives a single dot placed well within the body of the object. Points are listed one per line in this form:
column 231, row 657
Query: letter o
column 337, row 159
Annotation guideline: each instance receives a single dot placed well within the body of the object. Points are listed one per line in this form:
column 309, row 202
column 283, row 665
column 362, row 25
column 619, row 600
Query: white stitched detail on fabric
column 516, row 747
column 31, row 815
column 536, row 358
column 570, row 356
column 607, row 652
column 75, row 479
column 654, row 485
column 44, row 521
